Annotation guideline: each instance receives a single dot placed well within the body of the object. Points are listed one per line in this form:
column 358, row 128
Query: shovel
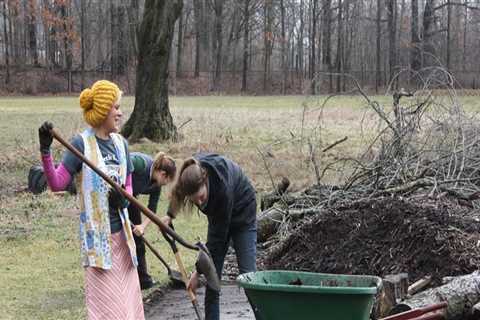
column 204, row 263
column 174, row 275
column 180, row 265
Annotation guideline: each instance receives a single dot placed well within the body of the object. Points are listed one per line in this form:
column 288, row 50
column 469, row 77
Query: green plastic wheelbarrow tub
column 293, row 295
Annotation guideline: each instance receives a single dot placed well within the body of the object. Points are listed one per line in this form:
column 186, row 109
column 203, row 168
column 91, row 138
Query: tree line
column 261, row 46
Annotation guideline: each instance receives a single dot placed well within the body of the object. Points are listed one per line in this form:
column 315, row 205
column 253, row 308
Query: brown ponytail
column 190, row 178
column 162, row 162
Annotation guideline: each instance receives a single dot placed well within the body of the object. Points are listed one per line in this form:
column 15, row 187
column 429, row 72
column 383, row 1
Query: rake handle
column 147, row 212
column 156, row 253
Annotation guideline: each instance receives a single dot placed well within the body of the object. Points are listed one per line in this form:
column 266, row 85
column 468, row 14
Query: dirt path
column 174, row 304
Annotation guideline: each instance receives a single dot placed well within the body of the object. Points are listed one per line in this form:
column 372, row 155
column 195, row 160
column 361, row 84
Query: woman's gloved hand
column 45, row 137
column 117, row 200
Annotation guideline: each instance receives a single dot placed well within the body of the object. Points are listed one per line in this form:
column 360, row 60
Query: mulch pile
column 383, row 236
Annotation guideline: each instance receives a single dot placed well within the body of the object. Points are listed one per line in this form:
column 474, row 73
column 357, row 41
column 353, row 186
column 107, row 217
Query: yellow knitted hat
column 97, row 101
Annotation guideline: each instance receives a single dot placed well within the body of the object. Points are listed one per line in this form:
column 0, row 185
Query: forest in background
column 242, row 46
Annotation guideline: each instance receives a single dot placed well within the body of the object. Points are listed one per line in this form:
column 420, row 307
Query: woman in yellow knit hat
column 112, row 289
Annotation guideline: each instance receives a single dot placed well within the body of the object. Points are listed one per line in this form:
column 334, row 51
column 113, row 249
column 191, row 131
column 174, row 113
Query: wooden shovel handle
column 153, row 217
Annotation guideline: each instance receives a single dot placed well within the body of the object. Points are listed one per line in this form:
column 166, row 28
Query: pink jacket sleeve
column 57, row 178
column 128, row 184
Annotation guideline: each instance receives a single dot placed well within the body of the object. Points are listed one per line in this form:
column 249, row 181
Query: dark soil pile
column 383, row 236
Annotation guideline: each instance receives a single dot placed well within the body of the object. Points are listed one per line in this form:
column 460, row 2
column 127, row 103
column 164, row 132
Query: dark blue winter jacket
column 230, row 193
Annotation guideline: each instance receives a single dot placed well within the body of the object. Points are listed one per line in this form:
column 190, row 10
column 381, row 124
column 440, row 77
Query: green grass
column 40, row 271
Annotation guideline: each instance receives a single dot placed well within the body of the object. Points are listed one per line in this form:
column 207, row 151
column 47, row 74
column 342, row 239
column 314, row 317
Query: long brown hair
column 190, row 178
column 162, row 162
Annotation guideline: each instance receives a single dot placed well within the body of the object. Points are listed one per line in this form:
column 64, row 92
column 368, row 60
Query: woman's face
column 161, row 178
column 114, row 119
column 199, row 197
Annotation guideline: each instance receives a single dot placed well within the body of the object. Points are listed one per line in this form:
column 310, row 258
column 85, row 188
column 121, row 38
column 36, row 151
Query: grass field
column 39, row 257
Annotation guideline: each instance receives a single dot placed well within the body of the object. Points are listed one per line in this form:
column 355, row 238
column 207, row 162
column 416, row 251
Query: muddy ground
column 170, row 304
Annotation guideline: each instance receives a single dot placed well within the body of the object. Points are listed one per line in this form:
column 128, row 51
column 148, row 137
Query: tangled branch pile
column 409, row 204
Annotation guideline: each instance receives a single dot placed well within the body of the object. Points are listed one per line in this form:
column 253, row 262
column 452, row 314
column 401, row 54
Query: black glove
column 45, row 137
column 117, row 200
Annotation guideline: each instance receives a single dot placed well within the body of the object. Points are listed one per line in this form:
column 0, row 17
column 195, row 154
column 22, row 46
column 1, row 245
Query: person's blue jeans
column 245, row 245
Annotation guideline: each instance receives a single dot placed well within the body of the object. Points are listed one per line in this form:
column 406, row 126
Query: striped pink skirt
column 115, row 293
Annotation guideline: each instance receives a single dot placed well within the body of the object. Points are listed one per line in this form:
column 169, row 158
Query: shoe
column 144, row 285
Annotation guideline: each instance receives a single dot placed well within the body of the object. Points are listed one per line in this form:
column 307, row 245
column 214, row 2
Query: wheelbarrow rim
column 244, row 281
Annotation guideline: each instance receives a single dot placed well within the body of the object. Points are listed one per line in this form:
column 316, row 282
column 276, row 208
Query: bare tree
column 284, row 48
column 179, row 44
column 300, row 40
column 339, row 44
column 217, row 41
column 416, row 59
column 32, row 31
column 313, row 40
column 151, row 116
column 64, row 12
column 6, row 39
column 82, row 44
column 392, row 36
column 268, row 43
column 246, row 28
column 378, row 78
column 327, row 39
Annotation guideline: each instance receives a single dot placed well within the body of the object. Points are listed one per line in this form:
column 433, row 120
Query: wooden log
column 394, row 289
column 476, row 311
column 269, row 199
column 419, row 285
column 461, row 293
column 268, row 222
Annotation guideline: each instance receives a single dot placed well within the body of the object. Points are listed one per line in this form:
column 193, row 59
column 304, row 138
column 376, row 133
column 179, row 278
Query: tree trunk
column 312, row 46
column 339, row 45
column 13, row 46
column 401, row 31
column 66, row 44
column 327, row 40
column 179, row 45
column 392, row 38
column 378, row 78
column 428, row 51
column 284, row 42
column 246, row 15
column 465, row 38
column 132, row 16
column 151, row 116
column 6, row 39
column 197, row 15
column 32, row 32
column 449, row 34
column 82, row 45
column 461, row 293
column 217, row 42
column 300, row 39
column 113, row 49
column 120, row 37
column 268, row 44
column 416, row 60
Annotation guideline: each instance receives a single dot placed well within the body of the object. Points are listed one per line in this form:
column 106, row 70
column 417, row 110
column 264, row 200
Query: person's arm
column 152, row 205
column 128, row 184
column 153, row 200
column 57, row 178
